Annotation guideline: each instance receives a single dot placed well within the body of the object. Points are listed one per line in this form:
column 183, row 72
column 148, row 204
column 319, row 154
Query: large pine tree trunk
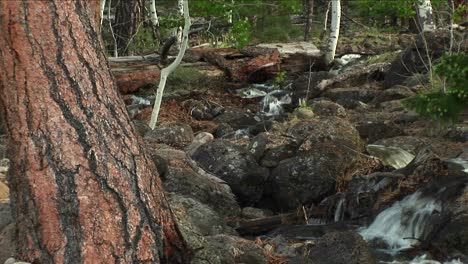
column 129, row 14
column 82, row 188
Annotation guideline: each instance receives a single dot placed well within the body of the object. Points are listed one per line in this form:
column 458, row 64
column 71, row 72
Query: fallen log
column 133, row 75
column 263, row 225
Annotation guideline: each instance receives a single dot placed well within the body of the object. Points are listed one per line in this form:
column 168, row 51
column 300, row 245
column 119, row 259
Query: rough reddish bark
column 82, row 188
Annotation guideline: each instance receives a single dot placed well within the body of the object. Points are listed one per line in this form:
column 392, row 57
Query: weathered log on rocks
column 297, row 56
column 242, row 70
column 134, row 73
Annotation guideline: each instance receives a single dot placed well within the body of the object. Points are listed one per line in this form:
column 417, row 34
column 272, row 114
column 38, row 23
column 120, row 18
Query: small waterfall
column 405, row 223
column 339, row 211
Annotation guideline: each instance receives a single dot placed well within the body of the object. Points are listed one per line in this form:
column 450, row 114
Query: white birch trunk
column 154, row 14
column 168, row 70
column 425, row 15
column 103, row 5
column 334, row 32
column 180, row 4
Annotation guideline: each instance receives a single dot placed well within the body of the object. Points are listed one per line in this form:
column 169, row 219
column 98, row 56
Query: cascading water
column 339, row 211
column 405, row 223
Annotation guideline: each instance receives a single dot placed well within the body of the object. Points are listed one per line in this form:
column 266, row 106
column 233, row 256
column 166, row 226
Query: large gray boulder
column 236, row 166
column 454, row 234
column 201, row 188
column 338, row 248
column 174, row 134
column 233, row 250
column 204, row 220
column 328, row 147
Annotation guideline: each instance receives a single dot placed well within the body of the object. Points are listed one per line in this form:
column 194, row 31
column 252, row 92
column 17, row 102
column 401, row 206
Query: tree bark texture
column 82, row 188
column 309, row 10
column 129, row 15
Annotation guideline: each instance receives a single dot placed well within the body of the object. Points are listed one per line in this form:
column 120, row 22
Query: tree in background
column 309, row 11
column 129, row 16
column 82, row 188
column 425, row 17
column 334, row 32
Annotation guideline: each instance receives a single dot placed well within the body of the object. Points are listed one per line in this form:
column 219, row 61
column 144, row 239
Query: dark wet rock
column 161, row 164
column 454, row 234
column 141, row 127
column 308, row 177
column 253, row 213
column 204, row 219
column 308, row 82
column 258, row 145
column 236, row 118
column 233, row 250
column 323, row 107
column 326, row 148
column 415, row 58
column 223, row 130
column 373, row 131
column 338, row 248
column 411, row 144
column 394, row 93
column 236, row 166
column 171, row 134
column 191, row 184
column 350, row 97
column 275, row 155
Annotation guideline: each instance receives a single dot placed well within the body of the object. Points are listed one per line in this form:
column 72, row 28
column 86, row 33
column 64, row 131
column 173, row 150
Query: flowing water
column 405, row 223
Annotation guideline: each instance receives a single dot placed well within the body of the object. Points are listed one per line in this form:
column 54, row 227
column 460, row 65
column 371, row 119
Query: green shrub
column 448, row 105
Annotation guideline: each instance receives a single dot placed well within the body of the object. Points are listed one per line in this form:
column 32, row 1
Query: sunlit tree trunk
column 129, row 16
column 334, row 32
column 309, row 10
column 102, row 7
column 82, row 188
column 169, row 69
column 425, row 16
